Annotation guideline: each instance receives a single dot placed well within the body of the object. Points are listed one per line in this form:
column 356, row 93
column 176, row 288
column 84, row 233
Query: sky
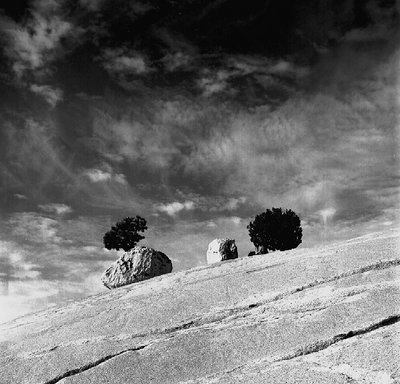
column 194, row 114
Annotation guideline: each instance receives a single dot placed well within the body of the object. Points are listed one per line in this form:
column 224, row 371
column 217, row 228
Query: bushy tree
column 125, row 234
column 275, row 229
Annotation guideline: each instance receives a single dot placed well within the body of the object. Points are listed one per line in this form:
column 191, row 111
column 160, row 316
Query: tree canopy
column 275, row 229
column 124, row 235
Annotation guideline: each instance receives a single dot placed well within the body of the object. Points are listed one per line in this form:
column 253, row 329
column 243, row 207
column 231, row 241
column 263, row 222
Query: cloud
column 155, row 135
column 327, row 214
column 30, row 278
column 313, row 148
column 33, row 44
column 32, row 227
column 42, row 252
column 307, row 153
column 52, row 95
column 14, row 263
column 383, row 23
column 47, row 159
column 20, row 196
column 97, row 176
column 90, row 248
column 58, row 209
column 233, row 203
column 254, row 64
column 370, row 34
column 33, row 154
column 172, row 209
column 238, row 74
column 122, row 64
column 213, row 83
column 120, row 178
column 236, row 220
column 177, row 61
column 92, row 5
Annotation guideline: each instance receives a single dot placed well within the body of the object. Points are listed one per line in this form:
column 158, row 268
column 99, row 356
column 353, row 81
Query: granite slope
column 321, row 315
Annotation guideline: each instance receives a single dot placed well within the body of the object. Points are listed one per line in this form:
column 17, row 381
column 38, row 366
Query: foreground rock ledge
column 327, row 315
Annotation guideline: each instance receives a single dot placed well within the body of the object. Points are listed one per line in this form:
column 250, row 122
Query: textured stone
column 220, row 250
column 326, row 315
column 140, row 263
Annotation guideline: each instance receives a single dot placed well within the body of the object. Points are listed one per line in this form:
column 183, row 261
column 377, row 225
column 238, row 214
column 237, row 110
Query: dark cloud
column 52, row 95
column 31, row 44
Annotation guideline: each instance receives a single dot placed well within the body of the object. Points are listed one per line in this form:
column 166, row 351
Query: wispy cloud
column 33, row 44
column 125, row 65
column 213, row 83
column 235, row 73
column 383, row 24
column 40, row 252
column 14, row 263
column 119, row 61
column 307, row 153
column 52, row 95
column 92, row 5
column 20, row 196
column 29, row 277
column 236, row 220
column 33, row 227
column 57, row 208
column 172, row 209
column 327, row 214
column 177, row 61
column 96, row 175
column 230, row 204
column 33, row 154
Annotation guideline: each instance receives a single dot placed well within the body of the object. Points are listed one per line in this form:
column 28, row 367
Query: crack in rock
column 324, row 344
column 93, row 364
column 383, row 264
column 306, row 350
column 264, row 268
column 177, row 328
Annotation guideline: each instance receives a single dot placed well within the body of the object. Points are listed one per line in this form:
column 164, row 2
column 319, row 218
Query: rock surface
column 327, row 315
column 140, row 263
column 221, row 250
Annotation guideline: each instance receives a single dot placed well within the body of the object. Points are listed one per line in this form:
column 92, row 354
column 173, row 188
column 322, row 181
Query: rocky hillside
column 326, row 315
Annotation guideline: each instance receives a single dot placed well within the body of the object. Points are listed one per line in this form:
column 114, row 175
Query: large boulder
column 220, row 250
column 140, row 263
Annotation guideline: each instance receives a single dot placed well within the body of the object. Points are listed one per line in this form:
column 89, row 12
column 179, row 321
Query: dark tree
column 275, row 229
column 125, row 233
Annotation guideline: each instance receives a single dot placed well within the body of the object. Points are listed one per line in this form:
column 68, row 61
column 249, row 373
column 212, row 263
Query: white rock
column 220, row 250
column 140, row 263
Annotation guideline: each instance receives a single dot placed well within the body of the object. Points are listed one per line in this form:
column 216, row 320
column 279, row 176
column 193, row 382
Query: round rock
column 220, row 250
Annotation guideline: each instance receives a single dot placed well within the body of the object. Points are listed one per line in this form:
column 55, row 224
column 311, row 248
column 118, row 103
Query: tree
column 275, row 229
column 125, row 233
